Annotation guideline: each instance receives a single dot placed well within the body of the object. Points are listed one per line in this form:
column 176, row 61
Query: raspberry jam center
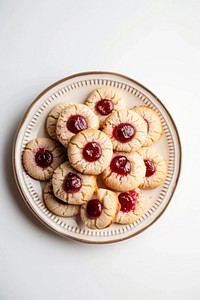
column 120, row 165
column 124, row 132
column 94, row 208
column 128, row 201
column 72, row 183
column 43, row 158
column 92, row 151
column 76, row 123
column 104, row 107
column 150, row 168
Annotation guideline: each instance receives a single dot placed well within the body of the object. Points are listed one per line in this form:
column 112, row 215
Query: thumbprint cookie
column 71, row 186
column 52, row 119
column 154, row 126
column 132, row 206
column 56, row 206
column 125, row 172
column 90, row 151
column 126, row 129
column 156, row 168
column 41, row 157
column 101, row 210
column 74, row 119
column 103, row 101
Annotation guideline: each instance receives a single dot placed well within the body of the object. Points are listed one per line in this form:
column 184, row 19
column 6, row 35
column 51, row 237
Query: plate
column 76, row 88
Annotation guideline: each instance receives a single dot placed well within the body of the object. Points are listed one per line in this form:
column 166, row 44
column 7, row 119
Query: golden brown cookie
column 90, row 151
column 41, row 157
column 100, row 212
column 132, row 206
column 156, row 168
column 126, row 129
column 52, row 119
column 56, row 206
column 74, row 119
column 125, row 172
column 103, row 101
column 154, row 126
column 71, row 186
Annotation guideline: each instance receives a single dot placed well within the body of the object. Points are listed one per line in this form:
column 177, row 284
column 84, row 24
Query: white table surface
column 158, row 44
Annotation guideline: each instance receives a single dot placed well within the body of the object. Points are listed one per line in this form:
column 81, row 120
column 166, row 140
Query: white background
column 158, row 44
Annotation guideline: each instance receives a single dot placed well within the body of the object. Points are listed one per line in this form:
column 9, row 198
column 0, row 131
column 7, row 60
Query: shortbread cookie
column 73, row 119
column 156, row 168
column 103, row 101
column 71, row 186
column 56, row 206
column 126, row 129
column 90, row 151
column 125, row 172
column 154, row 126
column 52, row 119
column 100, row 212
column 132, row 206
column 41, row 157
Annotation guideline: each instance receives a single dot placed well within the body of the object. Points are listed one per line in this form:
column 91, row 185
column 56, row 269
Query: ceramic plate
column 75, row 89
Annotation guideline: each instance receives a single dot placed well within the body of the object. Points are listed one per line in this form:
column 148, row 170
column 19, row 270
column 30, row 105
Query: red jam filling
column 94, row 208
column 76, row 123
column 150, row 168
column 104, row 107
column 43, row 158
column 128, row 201
column 120, row 165
column 92, row 151
column 72, row 183
column 123, row 132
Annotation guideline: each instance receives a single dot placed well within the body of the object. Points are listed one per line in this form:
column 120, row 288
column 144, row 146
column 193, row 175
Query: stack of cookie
column 103, row 140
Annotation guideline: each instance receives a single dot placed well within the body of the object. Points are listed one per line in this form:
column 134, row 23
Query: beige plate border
column 23, row 120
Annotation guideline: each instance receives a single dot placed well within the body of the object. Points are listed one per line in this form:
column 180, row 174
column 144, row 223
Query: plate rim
column 22, row 122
